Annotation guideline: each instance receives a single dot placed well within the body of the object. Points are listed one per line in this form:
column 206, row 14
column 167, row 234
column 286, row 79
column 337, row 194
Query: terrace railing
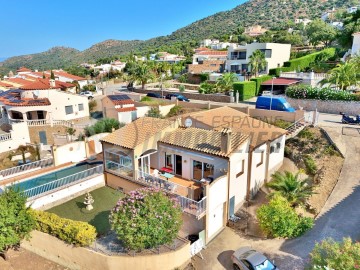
column 193, row 207
column 26, row 167
column 5, row 137
column 62, row 182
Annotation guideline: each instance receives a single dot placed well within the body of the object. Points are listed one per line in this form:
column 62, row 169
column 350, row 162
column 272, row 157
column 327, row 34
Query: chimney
column 226, row 140
column 52, row 83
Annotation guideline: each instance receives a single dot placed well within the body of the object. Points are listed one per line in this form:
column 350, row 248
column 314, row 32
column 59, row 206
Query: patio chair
column 156, row 173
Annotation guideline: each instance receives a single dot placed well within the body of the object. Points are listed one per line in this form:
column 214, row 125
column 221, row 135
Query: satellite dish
column 36, row 93
column 188, row 122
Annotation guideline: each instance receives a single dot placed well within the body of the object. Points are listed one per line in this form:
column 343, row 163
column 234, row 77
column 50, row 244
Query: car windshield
column 287, row 105
column 266, row 265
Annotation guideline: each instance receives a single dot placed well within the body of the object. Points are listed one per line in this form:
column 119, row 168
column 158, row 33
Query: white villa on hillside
column 212, row 161
column 356, row 44
column 238, row 56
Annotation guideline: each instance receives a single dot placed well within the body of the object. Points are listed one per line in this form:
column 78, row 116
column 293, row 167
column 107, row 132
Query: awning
column 282, row 81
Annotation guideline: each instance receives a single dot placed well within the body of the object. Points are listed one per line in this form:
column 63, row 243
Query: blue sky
column 37, row 25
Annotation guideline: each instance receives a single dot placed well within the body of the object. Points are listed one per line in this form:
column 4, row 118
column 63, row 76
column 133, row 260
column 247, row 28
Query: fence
column 62, row 182
column 5, row 137
column 29, row 166
column 193, row 207
column 42, row 122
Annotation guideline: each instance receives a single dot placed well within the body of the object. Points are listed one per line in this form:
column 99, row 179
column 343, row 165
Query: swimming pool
column 56, row 179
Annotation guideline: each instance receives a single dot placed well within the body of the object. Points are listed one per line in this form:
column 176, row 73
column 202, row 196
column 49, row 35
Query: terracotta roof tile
column 23, row 69
column 137, row 132
column 68, row 75
column 202, row 140
column 19, row 81
column 4, row 84
column 226, row 117
column 26, row 102
column 44, row 84
column 222, row 53
column 127, row 109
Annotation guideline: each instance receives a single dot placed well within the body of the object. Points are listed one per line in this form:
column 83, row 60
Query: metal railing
column 193, row 207
column 42, row 122
column 25, row 167
column 151, row 180
column 62, row 182
column 303, row 75
column 5, row 137
column 293, row 127
column 62, row 123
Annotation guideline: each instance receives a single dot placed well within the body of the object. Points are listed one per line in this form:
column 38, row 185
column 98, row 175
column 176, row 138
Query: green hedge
column 246, row 90
column 304, row 62
column 77, row 233
column 259, row 81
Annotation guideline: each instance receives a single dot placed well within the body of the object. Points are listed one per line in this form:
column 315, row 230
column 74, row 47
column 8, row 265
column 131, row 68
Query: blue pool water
column 43, row 179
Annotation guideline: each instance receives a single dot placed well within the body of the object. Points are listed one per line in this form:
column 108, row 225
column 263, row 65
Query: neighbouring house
column 119, row 107
column 6, row 86
column 303, row 21
column 238, row 57
column 279, row 85
column 356, row 44
column 167, row 57
column 212, row 161
column 352, row 9
column 105, row 68
column 210, row 55
column 255, row 30
column 43, row 101
column 207, row 66
column 214, row 44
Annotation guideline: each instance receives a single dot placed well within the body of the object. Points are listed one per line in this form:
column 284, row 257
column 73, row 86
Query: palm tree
column 289, row 186
column 226, row 82
column 257, row 62
column 343, row 75
column 23, row 149
column 142, row 73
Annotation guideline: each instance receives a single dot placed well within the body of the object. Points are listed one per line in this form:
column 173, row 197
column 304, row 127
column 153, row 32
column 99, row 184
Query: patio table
column 168, row 175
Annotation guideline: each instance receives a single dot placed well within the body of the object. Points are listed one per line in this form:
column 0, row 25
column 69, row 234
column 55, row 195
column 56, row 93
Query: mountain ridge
column 269, row 14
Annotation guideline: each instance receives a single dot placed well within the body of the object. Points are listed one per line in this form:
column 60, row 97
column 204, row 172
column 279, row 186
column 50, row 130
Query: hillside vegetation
column 274, row 14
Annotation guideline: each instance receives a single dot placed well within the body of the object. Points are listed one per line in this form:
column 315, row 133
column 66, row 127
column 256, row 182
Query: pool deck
column 35, row 173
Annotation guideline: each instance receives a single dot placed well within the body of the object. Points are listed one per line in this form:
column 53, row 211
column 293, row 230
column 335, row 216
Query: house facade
column 208, row 55
column 211, row 161
column 119, row 107
column 208, row 66
column 356, row 44
column 238, row 56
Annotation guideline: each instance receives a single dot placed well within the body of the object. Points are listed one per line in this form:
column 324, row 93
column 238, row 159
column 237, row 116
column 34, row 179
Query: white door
column 216, row 220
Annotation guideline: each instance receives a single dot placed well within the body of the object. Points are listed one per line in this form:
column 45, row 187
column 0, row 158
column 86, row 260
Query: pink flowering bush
column 146, row 218
column 329, row 254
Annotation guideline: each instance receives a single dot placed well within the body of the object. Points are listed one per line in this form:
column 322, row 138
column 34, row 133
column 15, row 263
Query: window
column 261, row 159
column 69, row 109
column 267, row 52
column 81, row 106
column 202, row 170
column 212, row 65
column 169, row 161
column 272, row 149
column 242, row 168
column 242, row 55
column 234, row 68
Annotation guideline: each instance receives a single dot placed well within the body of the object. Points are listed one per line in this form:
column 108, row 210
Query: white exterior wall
column 19, row 136
column 356, row 44
column 216, row 206
column 71, row 152
column 165, row 109
column 238, row 185
column 141, row 111
column 58, row 100
column 96, row 138
column 126, row 117
column 280, row 53
column 187, row 159
column 276, row 158
column 258, row 173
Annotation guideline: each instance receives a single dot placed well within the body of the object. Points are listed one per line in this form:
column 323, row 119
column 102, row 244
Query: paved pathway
column 339, row 218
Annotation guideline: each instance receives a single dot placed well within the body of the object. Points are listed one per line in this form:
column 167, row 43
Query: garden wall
column 328, row 106
column 71, row 152
column 56, row 250
column 197, row 96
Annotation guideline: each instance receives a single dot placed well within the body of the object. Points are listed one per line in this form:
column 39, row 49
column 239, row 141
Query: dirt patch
column 314, row 154
column 26, row 260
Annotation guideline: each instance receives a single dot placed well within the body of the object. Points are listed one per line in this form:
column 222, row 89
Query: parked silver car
column 246, row 258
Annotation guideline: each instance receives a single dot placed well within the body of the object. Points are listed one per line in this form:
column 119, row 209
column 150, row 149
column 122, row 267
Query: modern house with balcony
column 193, row 164
column 238, row 56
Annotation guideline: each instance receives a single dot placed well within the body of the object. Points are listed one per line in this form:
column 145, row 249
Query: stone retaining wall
column 326, row 106
column 197, row 96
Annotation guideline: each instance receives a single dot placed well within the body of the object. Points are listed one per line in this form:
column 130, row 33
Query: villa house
column 238, row 56
column 212, row 161
column 208, row 66
column 203, row 55
column 255, row 31
column 119, row 107
column 43, row 101
column 356, row 44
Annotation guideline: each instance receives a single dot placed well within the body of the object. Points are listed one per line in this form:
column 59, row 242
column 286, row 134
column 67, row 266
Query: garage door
column 216, row 220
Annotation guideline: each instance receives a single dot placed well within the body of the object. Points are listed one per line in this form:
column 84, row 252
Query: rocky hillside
column 268, row 13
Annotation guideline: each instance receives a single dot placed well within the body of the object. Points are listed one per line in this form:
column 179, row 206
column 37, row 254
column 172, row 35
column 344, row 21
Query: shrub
column 259, row 81
column 306, row 134
column 281, row 123
column 16, row 220
column 279, row 219
column 146, row 218
column 245, row 90
column 207, row 88
column 181, row 88
column 154, row 112
column 92, row 105
column 146, row 99
column 89, row 87
column 204, row 77
column 308, row 92
column 330, row 151
column 103, row 126
column 176, row 110
column 329, row 254
column 310, row 165
column 77, row 233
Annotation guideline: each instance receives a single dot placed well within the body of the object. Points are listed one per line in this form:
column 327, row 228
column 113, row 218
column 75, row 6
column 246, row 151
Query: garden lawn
column 105, row 199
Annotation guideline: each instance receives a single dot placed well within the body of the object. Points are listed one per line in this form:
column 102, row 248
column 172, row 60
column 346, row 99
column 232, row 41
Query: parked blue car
column 277, row 104
column 178, row 96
